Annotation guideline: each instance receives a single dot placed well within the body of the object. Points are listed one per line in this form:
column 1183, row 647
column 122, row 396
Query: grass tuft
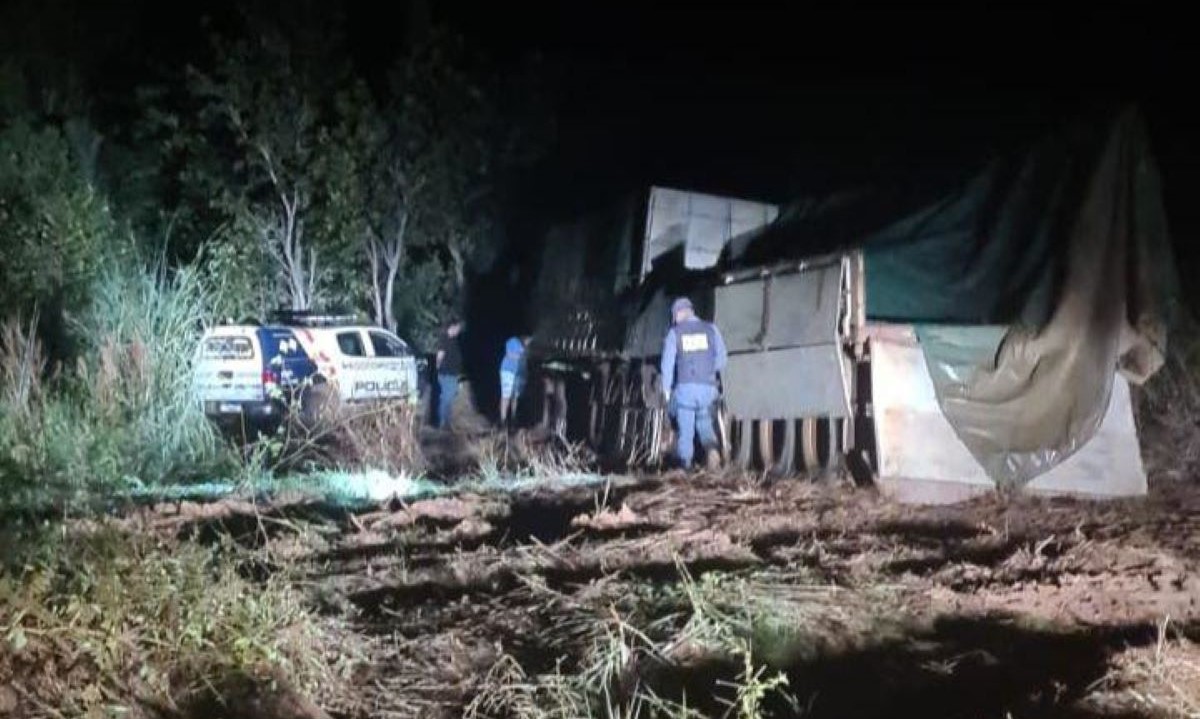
column 99, row 621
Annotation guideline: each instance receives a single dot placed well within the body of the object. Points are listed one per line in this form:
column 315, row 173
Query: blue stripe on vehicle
column 282, row 351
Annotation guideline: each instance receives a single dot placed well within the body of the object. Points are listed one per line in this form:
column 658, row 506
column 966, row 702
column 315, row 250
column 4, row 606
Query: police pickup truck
column 251, row 374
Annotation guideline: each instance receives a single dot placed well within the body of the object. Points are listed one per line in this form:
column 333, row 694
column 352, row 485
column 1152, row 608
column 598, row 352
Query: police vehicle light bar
column 307, row 318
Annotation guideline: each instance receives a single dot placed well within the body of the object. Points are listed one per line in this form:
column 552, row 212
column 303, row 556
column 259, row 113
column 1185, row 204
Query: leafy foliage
column 53, row 226
column 266, row 173
column 123, row 415
column 143, row 621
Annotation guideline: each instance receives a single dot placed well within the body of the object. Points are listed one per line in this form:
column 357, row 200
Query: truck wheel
column 766, row 444
column 786, row 464
column 808, row 444
column 724, row 433
column 742, row 442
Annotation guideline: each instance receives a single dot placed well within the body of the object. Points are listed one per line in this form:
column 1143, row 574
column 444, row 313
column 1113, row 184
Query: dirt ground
column 999, row 608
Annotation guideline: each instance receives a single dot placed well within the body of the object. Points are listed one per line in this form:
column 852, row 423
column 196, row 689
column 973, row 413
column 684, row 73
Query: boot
column 712, row 460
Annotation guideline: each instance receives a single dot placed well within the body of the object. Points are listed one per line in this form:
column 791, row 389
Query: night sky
column 763, row 100
column 781, row 100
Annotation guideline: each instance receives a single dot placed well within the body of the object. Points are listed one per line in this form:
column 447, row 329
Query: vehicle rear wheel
column 766, row 443
column 783, row 459
column 786, row 464
column 318, row 406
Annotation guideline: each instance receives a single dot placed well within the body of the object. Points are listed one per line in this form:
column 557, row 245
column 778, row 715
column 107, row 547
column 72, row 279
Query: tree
column 453, row 144
column 444, row 118
column 268, row 113
column 55, row 228
column 388, row 186
column 257, row 97
column 385, row 253
column 277, row 153
column 391, row 183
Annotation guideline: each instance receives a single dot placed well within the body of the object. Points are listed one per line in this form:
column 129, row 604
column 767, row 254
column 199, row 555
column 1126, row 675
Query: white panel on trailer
column 1110, row 464
column 922, row 460
column 703, row 224
column 787, row 326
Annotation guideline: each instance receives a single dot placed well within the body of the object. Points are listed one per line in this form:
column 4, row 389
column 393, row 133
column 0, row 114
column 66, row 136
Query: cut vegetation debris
column 706, row 596
column 1163, row 678
column 103, row 622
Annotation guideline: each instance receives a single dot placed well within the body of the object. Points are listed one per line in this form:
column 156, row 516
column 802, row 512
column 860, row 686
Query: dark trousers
column 447, row 391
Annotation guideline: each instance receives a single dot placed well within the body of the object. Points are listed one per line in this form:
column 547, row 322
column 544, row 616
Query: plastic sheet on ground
column 369, row 487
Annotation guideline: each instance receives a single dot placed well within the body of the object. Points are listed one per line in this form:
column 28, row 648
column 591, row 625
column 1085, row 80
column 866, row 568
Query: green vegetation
column 108, row 622
column 122, row 415
column 265, row 173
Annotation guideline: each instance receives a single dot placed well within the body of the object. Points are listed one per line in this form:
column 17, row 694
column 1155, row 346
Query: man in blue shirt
column 693, row 354
column 512, row 376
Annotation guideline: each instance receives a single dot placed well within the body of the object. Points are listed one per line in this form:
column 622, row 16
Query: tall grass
column 122, row 414
column 22, row 366
column 144, row 328
column 1165, row 678
column 99, row 621
column 1168, row 410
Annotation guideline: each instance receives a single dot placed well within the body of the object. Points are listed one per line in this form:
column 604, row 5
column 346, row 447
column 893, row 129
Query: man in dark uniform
column 449, row 368
column 693, row 354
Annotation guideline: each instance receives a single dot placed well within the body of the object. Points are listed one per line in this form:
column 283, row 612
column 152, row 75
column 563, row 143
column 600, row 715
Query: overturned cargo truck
column 955, row 341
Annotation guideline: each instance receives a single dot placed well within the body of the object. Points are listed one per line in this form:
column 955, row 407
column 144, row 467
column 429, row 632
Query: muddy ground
column 1000, row 608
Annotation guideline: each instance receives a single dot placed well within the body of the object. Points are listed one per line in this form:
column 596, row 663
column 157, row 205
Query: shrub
column 122, row 415
column 1168, row 410
column 102, row 622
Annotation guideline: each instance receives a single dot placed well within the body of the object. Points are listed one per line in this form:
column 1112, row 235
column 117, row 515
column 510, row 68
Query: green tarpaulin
column 1066, row 248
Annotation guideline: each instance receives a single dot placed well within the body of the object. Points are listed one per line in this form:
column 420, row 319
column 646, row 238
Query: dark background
column 763, row 100
column 776, row 101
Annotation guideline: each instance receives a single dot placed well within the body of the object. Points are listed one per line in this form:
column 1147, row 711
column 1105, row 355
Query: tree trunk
column 459, row 263
column 373, row 257
column 300, row 278
column 385, row 260
column 394, row 257
column 285, row 240
column 389, row 295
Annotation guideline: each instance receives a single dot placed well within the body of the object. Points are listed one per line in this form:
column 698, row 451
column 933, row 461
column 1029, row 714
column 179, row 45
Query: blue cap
column 681, row 303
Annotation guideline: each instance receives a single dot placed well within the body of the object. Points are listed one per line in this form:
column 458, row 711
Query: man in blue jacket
column 512, row 377
column 693, row 353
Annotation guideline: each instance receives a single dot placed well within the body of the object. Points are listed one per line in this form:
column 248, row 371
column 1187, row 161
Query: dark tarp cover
column 1067, row 246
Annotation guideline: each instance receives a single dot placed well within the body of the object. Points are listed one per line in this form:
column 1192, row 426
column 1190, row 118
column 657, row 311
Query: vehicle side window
column 351, row 345
column 387, row 346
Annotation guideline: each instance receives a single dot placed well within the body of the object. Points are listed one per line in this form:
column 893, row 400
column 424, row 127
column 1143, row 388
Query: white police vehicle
column 252, row 374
